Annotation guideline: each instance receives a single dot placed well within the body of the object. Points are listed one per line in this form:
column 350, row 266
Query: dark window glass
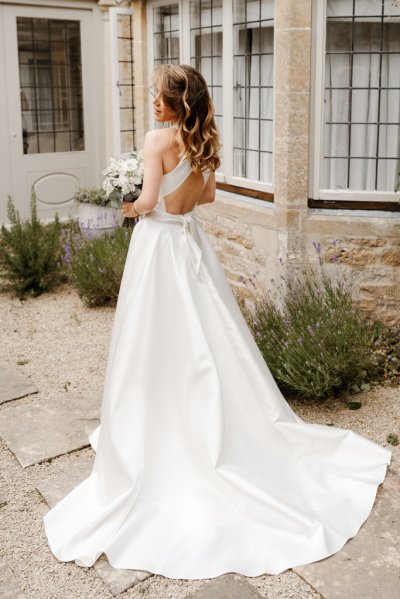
column 361, row 146
column 50, row 69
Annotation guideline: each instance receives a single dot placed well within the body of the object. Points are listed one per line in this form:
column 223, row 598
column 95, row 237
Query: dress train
column 201, row 466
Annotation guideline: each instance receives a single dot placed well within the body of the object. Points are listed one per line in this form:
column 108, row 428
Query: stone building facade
column 307, row 99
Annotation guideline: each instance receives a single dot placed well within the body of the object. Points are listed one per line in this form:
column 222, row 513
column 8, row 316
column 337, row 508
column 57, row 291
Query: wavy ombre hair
column 185, row 91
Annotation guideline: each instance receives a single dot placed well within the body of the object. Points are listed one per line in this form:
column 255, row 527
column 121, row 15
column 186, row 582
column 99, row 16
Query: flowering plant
column 310, row 328
column 124, row 178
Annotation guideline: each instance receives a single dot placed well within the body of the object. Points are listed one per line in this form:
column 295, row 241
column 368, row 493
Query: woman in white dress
column 201, row 466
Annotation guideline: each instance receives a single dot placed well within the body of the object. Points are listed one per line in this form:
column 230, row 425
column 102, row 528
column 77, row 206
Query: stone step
column 226, row 586
column 14, row 384
column 47, row 428
column 58, row 485
column 367, row 566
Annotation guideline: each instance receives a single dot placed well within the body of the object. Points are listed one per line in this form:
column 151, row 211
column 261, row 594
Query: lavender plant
column 315, row 339
column 95, row 264
column 72, row 239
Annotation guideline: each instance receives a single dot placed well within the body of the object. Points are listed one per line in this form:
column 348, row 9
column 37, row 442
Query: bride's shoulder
column 157, row 142
column 153, row 131
column 152, row 134
column 156, row 145
column 158, row 133
column 157, row 137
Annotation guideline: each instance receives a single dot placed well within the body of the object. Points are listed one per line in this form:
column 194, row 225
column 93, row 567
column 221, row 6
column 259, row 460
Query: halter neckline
column 174, row 169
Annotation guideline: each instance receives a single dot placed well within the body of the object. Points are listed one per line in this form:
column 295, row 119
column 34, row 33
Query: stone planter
column 99, row 219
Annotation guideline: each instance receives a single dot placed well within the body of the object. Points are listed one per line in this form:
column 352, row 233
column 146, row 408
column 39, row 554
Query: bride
column 201, row 466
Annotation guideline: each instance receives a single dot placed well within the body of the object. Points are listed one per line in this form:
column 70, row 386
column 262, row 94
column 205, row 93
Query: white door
column 50, row 133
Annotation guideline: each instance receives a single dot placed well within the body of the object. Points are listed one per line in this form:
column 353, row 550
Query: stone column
column 141, row 94
column 292, row 104
column 107, row 123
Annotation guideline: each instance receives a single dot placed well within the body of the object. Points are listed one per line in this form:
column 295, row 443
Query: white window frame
column 226, row 176
column 150, row 29
column 115, row 100
column 317, row 120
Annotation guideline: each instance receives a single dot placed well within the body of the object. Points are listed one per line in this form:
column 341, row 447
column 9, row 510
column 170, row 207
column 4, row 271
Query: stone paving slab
column 13, row 384
column 55, row 488
column 367, row 566
column 392, row 482
column 117, row 579
column 47, row 428
column 226, row 586
column 9, row 588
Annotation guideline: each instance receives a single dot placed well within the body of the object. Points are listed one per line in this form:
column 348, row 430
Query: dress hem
column 249, row 573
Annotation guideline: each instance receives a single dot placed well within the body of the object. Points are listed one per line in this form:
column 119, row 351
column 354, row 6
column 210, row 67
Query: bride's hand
column 128, row 209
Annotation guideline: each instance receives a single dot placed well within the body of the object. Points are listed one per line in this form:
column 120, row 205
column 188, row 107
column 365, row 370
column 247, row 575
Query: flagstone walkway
column 45, row 452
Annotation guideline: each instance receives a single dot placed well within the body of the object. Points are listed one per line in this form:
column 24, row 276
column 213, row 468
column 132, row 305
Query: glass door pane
column 50, row 69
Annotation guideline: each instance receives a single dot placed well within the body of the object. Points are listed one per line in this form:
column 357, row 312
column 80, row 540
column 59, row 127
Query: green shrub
column 96, row 264
column 29, row 253
column 316, row 341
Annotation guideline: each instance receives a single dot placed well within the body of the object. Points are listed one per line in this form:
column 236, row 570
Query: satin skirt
column 201, row 465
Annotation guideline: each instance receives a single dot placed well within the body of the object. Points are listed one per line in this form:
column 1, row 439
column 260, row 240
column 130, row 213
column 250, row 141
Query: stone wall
column 246, row 239
column 367, row 249
column 267, row 241
column 364, row 249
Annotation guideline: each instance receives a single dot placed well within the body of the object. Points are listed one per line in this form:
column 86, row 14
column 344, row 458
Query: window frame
column 225, row 178
column 150, row 48
column 315, row 192
column 150, row 29
column 114, row 11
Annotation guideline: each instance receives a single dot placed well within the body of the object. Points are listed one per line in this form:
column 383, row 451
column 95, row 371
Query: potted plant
column 95, row 211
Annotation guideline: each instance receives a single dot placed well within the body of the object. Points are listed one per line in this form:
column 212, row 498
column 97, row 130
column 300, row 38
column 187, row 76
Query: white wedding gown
column 201, row 466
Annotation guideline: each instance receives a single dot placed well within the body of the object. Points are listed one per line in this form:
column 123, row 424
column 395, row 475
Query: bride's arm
column 153, row 172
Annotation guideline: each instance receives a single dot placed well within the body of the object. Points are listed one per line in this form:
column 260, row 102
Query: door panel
column 52, row 111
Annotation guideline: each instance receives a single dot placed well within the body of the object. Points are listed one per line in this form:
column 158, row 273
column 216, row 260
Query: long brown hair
column 184, row 90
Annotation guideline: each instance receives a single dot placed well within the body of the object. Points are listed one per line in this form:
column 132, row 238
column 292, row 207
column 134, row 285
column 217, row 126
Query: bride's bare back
column 193, row 190
column 161, row 158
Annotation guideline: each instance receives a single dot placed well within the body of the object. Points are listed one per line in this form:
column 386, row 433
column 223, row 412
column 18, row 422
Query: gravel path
column 64, row 346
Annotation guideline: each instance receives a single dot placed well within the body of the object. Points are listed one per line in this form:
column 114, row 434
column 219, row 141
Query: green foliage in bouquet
column 315, row 339
column 29, row 253
column 96, row 264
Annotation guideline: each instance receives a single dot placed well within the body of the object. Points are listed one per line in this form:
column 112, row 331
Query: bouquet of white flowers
column 124, row 178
